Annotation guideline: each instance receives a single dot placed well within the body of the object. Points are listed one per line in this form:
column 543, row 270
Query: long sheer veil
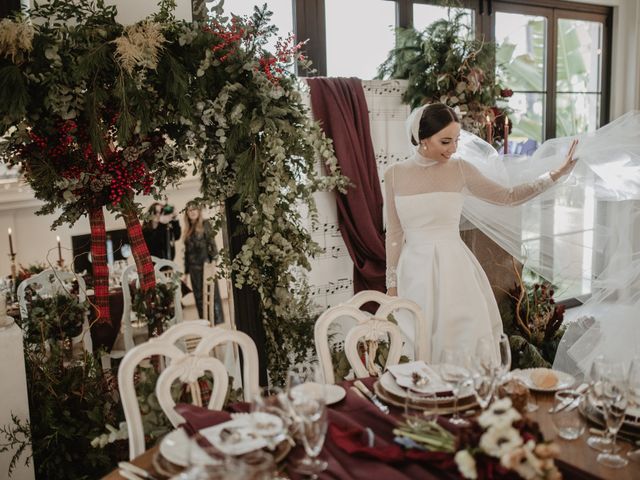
column 582, row 235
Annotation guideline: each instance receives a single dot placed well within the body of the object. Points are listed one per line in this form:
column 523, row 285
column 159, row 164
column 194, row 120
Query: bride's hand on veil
column 568, row 164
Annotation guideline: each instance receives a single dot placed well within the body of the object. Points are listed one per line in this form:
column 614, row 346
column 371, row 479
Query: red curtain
column 340, row 106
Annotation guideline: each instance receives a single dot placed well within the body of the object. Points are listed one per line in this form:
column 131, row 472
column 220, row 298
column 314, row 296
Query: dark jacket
column 161, row 240
column 200, row 248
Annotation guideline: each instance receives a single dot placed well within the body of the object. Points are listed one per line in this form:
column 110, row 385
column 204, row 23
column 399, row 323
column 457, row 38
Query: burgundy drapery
column 340, row 106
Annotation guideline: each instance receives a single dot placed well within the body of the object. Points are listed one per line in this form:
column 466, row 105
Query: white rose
column 498, row 441
column 466, row 464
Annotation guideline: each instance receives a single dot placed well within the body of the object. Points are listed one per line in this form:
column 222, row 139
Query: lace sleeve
column 482, row 187
column 394, row 235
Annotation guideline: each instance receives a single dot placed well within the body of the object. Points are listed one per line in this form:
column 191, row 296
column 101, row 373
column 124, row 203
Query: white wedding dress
column 427, row 260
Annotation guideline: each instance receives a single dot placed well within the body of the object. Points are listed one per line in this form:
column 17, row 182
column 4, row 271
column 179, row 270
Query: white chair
column 52, row 282
column 187, row 367
column 371, row 327
column 130, row 274
column 418, row 334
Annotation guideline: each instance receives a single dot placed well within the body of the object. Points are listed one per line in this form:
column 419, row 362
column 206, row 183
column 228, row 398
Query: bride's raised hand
column 569, row 163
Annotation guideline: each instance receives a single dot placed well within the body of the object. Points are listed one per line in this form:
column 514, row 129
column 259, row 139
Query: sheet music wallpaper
column 331, row 275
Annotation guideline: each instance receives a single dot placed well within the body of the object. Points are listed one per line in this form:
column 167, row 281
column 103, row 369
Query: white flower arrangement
column 503, row 441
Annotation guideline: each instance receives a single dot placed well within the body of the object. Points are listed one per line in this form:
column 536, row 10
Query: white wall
column 130, row 11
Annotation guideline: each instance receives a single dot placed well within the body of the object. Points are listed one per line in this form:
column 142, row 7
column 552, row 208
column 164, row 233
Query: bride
column 427, row 261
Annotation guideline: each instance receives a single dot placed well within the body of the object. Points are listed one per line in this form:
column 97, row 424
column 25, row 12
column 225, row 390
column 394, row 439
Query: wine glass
column 634, row 397
column 597, row 442
column 307, row 397
column 455, row 370
column 484, row 372
column 614, row 382
column 269, row 402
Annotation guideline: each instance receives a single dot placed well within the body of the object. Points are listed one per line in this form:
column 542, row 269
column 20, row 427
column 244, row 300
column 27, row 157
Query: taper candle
column 59, row 249
column 506, row 135
column 11, row 252
column 489, row 131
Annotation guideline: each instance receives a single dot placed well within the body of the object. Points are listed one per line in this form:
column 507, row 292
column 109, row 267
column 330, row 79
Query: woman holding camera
column 161, row 230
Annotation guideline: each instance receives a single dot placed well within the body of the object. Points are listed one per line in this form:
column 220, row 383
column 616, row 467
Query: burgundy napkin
column 351, row 440
column 197, row 418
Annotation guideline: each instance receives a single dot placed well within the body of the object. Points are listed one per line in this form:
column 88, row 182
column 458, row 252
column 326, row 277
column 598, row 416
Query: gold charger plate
column 441, row 407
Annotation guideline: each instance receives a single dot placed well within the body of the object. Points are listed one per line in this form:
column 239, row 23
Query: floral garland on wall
column 96, row 112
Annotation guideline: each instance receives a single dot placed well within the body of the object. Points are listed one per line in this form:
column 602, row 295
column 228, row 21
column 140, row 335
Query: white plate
column 332, row 393
column 564, row 379
column 388, row 383
column 175, row 445
column 403, row 376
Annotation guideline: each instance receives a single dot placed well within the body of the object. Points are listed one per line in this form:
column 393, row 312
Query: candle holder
column 14, row 275
column 60, row 263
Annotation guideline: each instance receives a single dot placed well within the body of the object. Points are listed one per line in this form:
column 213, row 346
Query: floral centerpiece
column 444, row 63
column 500, row 444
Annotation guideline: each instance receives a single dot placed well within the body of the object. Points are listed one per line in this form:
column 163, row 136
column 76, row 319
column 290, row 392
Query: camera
column 167, row 209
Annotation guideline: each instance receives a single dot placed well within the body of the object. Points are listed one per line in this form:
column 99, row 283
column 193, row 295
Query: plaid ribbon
column 139, row 249
column 99, row 264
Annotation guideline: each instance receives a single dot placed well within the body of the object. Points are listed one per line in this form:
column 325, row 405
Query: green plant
column 155, row 306
column 533, row 322
column 69, row 404
column 445, row 64
column 59, row 317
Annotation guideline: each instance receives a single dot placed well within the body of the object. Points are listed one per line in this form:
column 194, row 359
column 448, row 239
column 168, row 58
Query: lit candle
column 489, row 131
column 11, row 252
column 59, row 249
column 506, row 135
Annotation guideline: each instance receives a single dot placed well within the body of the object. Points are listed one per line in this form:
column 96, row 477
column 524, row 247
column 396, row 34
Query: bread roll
column 544, row 378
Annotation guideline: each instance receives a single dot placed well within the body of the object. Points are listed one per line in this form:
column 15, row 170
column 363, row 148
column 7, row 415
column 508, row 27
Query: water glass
column 566, row 418
column 416, row 405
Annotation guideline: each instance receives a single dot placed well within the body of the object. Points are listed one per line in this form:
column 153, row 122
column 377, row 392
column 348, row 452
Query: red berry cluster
column 225, row 37
column 286, row 50
column 123, row 176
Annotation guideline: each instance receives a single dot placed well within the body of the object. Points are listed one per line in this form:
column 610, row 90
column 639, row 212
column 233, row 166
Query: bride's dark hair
column 435, row 117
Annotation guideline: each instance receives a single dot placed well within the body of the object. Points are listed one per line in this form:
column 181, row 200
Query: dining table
column 576, row 459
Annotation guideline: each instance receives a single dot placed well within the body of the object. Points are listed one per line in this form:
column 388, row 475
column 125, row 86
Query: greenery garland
column 95, row 112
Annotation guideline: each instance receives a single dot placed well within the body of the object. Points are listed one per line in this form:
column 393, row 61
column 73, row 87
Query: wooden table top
column 573, row 452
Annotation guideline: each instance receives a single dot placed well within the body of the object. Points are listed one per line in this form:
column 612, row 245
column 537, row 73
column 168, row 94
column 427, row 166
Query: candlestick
column 506, row 135
column 11, row 252
column 489, row 131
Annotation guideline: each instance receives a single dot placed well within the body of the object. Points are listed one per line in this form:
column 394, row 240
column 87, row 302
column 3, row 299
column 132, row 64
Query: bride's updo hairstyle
column 434, row 118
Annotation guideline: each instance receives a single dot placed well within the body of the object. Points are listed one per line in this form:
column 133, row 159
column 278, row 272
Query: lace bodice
column 420, row 175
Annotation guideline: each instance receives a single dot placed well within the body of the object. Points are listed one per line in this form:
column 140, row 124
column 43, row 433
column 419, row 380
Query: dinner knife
column 137, row 471
column 371, row 396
